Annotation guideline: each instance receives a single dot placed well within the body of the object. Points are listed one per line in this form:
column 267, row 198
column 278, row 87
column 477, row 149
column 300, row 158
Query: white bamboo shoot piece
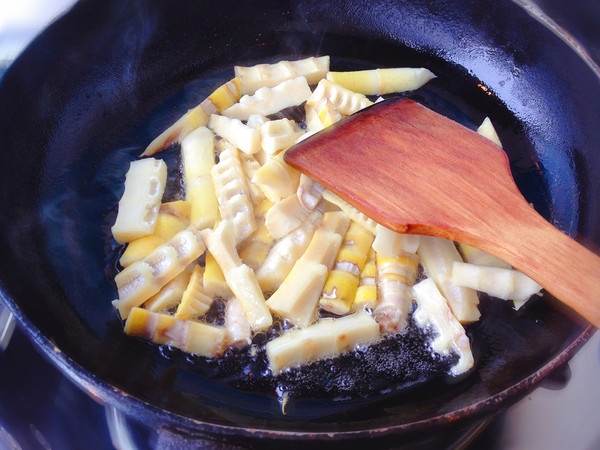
column 142, row 279
column 138, row 208
column 285, row 252
column 433, row 311
column 240, row 278
column 344, row 100
column 351, row 211
column 233, row 193
column 267, row 101
column 325, row 339
column 309, row 192
column 437, row 256
column 170, row 294
column 195, row 301
column 277, row 135
column 507, row 284
column 270, row 75
column 246, row 138
column 198, row 159
column 285, row 216
column 486, row 129
column 474, row 255
column 238, row 327
column 389, row 244
column 277, row 179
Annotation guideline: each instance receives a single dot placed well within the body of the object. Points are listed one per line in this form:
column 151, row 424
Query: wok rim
column 109, row 395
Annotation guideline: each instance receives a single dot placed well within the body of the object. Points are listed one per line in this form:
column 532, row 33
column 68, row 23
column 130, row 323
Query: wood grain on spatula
column 416, row 171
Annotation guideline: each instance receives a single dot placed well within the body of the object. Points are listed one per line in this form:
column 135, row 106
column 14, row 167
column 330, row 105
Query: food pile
column 271, row 244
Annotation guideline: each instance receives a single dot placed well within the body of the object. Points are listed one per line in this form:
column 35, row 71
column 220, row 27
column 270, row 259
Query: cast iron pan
column 98, row 85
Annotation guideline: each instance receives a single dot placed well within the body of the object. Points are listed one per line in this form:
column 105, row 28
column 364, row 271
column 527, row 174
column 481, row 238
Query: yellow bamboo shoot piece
column 366, row 293
column 213, row 280
column 172, row 218
column 344, row 100
column 142, row 279
column 433, row 312
column 195, row 301
column 170, row 294
column 246, row 138
column 198, row 158
column 388, row 243
column 382, row 81
column 354, row 214
column 327, row 113
column 325, row 339
column 437, row 257
column 223, row 97
column 238, row 327
column 507, row 284
column 253, row 251
column 277, row 135
column 285, row 252
column 270, row 75
column 296, row 299
column 395, row 277
column 139, row 205
column 240, row 278
column 277, row 179
column 233, row 193
column 342, row 282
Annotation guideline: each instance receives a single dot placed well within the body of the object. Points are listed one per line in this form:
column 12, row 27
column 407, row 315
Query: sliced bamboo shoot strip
column 344, row 100
column 507, row 284
column 437, row 257
column 225, row 96
column 198, row 159
column 342, row 282
column 233, row 193
column 277, row 179
column 214, row 280
column 267, row 101
column 240, row 278
column 327, row 338
column 354, row 214
column 286, row 251
column 277, row 135
column 142, row 279
column 309, row 192
column 296, row 299
column 172, row 218
column 389, row 244
column 433, row 311
column 474, row 255
column 238, row 327
column 195, row 301
column 138, row 208
column 246, row 138
column 395, row 276
column 170, row 294
column 382, row 81
column 366, row 293
column 285, row 216
column 270, row 75
column 486, row 129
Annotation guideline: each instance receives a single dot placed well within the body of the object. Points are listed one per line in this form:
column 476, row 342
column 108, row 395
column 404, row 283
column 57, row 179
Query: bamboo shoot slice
column 327, row 338
column 433, row 311
column 267, row 101
column 140, row 203
column 142, row 279
column 437, row 257
column 382, row 81
column 195, row 301
column 238, row 327
column 344, row 100
column 270, row 75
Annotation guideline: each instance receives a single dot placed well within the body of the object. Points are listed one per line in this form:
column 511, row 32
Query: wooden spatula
column 414, row 171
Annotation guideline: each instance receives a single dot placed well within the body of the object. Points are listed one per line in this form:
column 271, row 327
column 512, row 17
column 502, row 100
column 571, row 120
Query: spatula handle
column 565, row 268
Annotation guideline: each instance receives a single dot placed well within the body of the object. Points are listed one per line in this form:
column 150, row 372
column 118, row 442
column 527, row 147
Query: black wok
column 98, row 85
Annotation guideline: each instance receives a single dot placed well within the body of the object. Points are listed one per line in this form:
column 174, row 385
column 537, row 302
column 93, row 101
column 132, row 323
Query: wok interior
column 88, row 96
